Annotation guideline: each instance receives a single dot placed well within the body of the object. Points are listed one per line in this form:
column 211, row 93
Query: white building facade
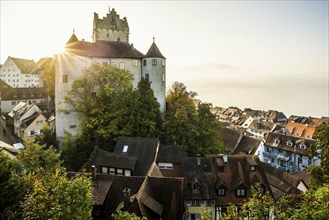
column 110, row 47
column 20, row 73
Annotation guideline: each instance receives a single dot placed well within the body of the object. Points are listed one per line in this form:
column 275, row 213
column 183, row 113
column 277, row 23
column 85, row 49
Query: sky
column 249, row 54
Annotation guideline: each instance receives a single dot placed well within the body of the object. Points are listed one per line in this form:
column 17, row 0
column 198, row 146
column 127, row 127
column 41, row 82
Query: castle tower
column 154, row 69
column 110, row 28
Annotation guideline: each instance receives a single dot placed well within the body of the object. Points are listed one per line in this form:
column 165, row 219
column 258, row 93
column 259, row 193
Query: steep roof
column 72, row 39
column 26, row 66
column 103, row 49
column 154, row 52
column 137, row 154
column 247, row 145
column 23, row 94
column 230, row 138
column 148, row 196
column 170, row 153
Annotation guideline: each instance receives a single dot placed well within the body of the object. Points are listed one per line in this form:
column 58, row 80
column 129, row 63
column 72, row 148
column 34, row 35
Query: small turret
column 154, row 69
column 72, row 39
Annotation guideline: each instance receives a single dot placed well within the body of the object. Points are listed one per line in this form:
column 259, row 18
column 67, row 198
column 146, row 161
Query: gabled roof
column 10, row 94
column 230, row 138
column 137, row 154
column 282, row 183
column 104, row 49
column 148, row 196
column 281, row 141
column 154, row 52
column 247, row 145
column 26, row 66
column 170, row 153
column 72, row 39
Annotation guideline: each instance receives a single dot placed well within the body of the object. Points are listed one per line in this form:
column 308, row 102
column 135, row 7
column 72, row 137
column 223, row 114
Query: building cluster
column 158, row 182
column 142, row 176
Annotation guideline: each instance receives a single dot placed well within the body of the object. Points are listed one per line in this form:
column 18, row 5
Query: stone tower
column 110, row 28
column 154, row 69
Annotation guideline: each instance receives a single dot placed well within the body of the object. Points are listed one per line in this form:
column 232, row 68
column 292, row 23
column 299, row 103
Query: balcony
column 268, row 154
column 282, row 157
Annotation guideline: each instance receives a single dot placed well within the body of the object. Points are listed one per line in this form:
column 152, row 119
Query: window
column 112, row 171
column 144, row 62
column 289, row 143
column 163, row 62
column 125, row 149
column 165, row 166
column 121, row 65
column 39, row 122
column 32, row 133
column 147, row 77
column 135, row 63
column 302, row 146
column 120, row 172
column 195, row 202
column 163, row 77
column 154, row 62
column 253, row 167
column 241, row 192
column 73, row 126
column 13, row 102
column 221, row 191
column 105, row 170
column 195, row 188
column 64, row 77
column 127, row 173
column 112, row 63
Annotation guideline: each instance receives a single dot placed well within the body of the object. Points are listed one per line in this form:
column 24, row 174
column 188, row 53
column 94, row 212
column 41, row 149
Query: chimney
column 93, row 167
column 225, row 158
column 126, row 198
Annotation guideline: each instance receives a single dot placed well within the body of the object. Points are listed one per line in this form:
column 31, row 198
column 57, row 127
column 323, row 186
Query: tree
column 119, row 215
column 36, row 159
column 12, row 186
column 320, row 174
column 145, row 117
column 190, row 123
column 59, row 197
column 48, row 67
column 47, row 138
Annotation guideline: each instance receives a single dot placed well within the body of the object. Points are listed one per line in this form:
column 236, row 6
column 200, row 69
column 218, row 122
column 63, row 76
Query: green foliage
column 12, row 186
column 47, row 138
column 260, row 204
column 320, row 174
column 48, row 76
column 231, row 213
column 35, row 186
column 119, row 215
column 58, row 197
column 190, row 123
column 35, row 159
column 205, row 214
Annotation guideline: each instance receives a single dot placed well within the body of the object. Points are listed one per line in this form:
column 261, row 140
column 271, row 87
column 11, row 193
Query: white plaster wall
column 157, row 77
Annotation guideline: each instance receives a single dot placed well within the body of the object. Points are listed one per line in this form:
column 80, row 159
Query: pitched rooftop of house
column 105, row 49
column 134, row 153
column 25, row 66
column 23, row 94
column 151, row 197
column 230, row 138
column 289, row 143
column 247, row 145
column 170, row 153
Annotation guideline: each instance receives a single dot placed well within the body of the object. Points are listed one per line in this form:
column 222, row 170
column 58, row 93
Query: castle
column 110, row 46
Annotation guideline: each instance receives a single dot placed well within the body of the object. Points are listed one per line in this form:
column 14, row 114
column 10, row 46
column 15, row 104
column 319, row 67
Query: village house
column 169, row 160
column 215, row 182
column 10, row 97
column 20, row 73
column 286, row 152
column 27, row 121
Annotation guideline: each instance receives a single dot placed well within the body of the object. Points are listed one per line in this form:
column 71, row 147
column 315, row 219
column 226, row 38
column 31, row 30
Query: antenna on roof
column 153, row 39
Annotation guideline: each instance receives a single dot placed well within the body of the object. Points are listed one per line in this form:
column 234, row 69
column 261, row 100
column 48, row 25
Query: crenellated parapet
column 110, row 28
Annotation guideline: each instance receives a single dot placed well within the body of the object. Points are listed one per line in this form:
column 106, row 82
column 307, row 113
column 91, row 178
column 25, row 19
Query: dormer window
column 196, row 188
column 302, row 146
column 221, row 191
column 289, row 143
column 277, row 141
column 125, row 149
column 241, row 191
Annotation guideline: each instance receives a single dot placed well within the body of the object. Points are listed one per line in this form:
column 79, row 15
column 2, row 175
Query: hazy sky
column 258, row 54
